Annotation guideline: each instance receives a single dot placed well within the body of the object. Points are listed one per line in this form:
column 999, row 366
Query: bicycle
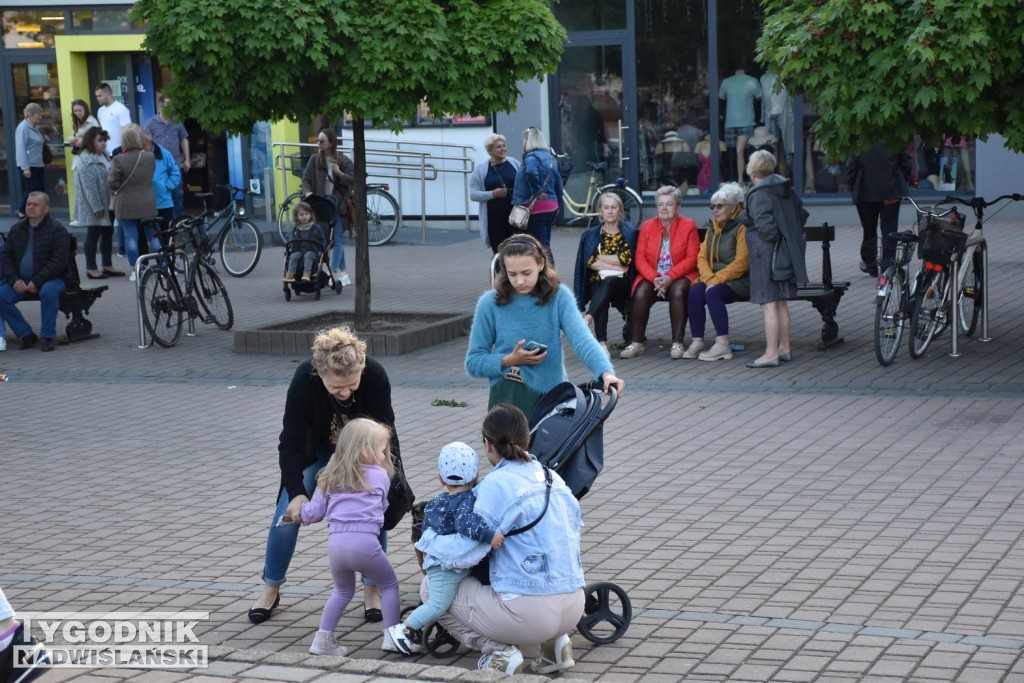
column 588, row 209
column 383, row 217
column 237, row 240
column 167, row 292
column 943, row 244
column 892, row 309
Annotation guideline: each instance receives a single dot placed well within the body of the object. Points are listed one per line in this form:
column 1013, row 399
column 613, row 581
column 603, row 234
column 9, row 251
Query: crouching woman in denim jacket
column 536, row 592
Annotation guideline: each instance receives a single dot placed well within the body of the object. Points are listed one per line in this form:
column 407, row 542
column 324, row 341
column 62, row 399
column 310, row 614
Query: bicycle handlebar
column 932, row 211
column 979, row 202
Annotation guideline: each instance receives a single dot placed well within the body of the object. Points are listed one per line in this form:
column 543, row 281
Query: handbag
column 519, row 219
column 400, row 495
column 47, row 154
column 481, row 571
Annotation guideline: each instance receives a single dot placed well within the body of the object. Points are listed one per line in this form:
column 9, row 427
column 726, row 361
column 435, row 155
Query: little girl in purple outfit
column 352, row 494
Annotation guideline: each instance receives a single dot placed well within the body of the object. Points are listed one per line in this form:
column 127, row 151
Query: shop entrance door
column 594, row 121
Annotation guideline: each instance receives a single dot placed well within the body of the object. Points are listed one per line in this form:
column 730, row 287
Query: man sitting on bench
column 35, row 261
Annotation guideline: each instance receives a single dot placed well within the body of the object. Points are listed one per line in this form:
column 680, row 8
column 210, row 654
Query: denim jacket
column 544, row 560
column 539, row 165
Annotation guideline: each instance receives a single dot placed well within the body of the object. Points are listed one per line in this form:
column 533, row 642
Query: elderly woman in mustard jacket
column 723, row 274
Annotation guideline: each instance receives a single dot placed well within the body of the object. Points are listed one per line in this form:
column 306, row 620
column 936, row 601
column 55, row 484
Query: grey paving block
column 281, row 673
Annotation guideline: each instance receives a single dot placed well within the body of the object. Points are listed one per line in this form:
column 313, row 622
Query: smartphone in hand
column 533, row 346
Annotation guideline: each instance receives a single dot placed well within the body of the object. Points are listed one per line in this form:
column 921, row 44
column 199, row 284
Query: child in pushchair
column 306, row 269
column 309, row 243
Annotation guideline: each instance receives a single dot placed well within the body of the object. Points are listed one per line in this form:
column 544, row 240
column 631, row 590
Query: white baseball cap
column 458, row 464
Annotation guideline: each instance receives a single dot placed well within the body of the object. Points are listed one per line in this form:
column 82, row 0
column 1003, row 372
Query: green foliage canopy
column 236, row 62
column 890, row 69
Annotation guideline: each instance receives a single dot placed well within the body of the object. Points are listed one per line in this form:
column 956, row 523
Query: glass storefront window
column 587, row 15
column 104, row 21
column 24, row 30
column 672, row 95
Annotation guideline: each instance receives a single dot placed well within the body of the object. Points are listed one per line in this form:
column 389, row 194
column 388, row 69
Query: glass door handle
column 622, row 145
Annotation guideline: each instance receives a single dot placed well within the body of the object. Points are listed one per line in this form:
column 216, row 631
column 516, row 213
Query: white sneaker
column 509, row 661
column 344, row 279
column 717, row 352
column 325, row 644
column 694, row 349
column 407, row 640
column 3, row 343
column 131, row 276
column 555, row 655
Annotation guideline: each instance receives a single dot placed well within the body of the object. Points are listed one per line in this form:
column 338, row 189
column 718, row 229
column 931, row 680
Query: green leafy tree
column 890, row 69
column 236, row 62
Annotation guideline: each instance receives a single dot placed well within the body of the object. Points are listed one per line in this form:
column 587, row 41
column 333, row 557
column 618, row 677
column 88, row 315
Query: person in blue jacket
column 538, row 185
column 604, row 267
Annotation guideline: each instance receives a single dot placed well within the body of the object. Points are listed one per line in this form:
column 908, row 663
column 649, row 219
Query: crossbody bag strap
column 130, row 173
column 547, row 500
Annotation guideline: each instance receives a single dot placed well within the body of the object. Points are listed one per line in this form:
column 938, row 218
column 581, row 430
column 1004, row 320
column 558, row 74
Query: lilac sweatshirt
column 352, row 510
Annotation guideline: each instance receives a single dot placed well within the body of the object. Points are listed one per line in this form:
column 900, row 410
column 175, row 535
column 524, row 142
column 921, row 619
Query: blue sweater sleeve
column 482, row 359
column 582, row 341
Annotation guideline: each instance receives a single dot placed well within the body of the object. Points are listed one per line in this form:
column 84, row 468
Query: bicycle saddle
column 202, row 195
column 598, row 165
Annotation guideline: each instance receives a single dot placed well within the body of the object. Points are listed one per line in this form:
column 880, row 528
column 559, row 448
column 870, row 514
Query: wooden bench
column 825, row 294
column 75, row 302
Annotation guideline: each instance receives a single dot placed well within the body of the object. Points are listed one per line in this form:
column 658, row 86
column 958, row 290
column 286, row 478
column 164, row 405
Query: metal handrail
column 395, row 161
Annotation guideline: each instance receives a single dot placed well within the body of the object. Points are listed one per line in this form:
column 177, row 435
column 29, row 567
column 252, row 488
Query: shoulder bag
column 519, row 219
column 482, row 570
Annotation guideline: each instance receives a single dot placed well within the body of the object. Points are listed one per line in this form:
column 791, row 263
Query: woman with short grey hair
column 722, row 274
column 28, row 150
column 491, row 186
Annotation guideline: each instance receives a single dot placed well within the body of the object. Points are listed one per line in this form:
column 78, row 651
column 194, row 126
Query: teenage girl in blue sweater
column 528, row 304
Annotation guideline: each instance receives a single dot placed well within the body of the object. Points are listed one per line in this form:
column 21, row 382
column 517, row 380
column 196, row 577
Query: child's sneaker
column 407, row 640
column 325, row 644
column 288, row 277
column 306, row 277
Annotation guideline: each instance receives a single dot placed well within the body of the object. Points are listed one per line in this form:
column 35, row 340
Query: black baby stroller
column 325, row 209
column 566, row 434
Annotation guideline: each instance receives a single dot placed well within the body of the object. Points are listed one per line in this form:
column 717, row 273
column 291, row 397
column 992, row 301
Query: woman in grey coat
column 491, row 186
column 92, row 197
column 131, row 179
column 774, row 213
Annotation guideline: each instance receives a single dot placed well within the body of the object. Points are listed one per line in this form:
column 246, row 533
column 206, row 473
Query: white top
column 112, row 119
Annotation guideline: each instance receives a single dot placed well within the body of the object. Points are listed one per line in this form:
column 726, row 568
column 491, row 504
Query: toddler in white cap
column 454, row 540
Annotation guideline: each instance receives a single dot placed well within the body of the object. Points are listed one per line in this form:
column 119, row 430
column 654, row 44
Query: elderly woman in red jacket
column 666, row 264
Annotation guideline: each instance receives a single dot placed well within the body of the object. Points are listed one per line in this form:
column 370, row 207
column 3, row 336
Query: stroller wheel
column 439, row 642
column 605, row 602
column 287, row 293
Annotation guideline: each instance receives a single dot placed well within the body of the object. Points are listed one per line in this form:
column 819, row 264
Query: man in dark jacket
column 35, row 261
column 876, row 178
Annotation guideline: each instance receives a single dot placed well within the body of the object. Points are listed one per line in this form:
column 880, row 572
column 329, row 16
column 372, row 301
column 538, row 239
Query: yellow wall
column 73, row 74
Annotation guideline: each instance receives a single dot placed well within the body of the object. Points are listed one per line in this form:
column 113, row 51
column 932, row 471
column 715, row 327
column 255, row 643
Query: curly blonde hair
column 338, row 351
column 357, row 443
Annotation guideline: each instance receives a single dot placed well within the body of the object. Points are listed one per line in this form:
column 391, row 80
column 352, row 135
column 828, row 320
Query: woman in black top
column 339, row 383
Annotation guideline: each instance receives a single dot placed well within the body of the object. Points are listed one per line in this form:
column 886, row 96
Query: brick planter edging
column 299, row 342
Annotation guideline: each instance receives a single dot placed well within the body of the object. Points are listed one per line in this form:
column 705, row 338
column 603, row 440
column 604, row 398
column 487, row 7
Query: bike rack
column 954, row 345
column 143, row 344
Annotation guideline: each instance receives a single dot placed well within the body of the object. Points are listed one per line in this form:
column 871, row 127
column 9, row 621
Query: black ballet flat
column 101, row 276
column 258, row 615
column 373, row 615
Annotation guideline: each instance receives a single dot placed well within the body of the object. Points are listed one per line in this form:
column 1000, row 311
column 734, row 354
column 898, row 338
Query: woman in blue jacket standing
column 538, row 185
column 604, row 267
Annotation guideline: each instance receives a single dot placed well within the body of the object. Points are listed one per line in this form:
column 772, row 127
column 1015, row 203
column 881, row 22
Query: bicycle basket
column 939, row 239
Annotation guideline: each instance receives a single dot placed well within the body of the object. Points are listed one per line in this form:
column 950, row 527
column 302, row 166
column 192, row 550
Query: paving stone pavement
column 829, row 520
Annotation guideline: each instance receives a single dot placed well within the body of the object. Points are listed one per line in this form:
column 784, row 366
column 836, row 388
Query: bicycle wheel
column 889, row 314
column 928, row 318
column 284, row 216
column 213, row 297
column 382, row 216
column 632, row 204
column 240, row 247
column 971, row 292
column 160, row 299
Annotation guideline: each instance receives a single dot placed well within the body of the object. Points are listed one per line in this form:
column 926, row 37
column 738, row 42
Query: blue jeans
column 338, row 252
column 443, row 584
column 540, row 227
column 49, row 302
column 281, row 540
column 131, row 240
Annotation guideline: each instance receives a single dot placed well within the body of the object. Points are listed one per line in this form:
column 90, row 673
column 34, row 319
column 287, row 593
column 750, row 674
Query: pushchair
column 325, row 209
column 566, row 434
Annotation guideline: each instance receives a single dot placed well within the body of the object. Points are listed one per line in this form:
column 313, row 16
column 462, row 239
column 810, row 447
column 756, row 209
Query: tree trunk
column 362, row 280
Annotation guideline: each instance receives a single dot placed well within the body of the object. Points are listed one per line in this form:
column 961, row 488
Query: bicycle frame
column 582, row 210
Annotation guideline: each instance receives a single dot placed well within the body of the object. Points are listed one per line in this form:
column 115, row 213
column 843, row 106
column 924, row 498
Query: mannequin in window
column 739, row 92
column 704, row 157
column 777, row 114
